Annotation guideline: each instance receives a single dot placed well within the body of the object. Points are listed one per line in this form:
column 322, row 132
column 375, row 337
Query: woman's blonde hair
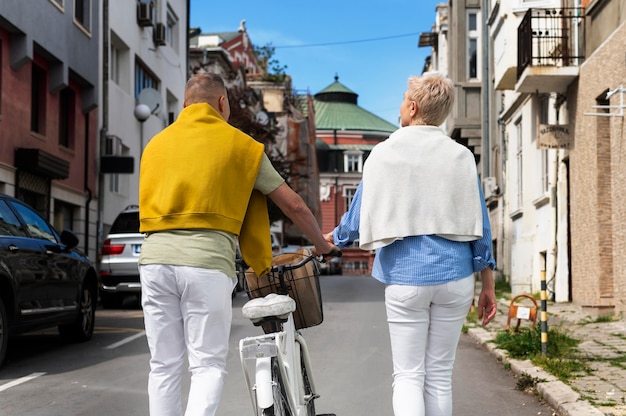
column 434, row 95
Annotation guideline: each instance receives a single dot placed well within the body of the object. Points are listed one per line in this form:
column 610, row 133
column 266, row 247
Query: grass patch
column 503, row 289
column 561, row 359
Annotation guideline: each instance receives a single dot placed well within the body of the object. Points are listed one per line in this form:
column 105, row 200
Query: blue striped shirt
column 423, row 259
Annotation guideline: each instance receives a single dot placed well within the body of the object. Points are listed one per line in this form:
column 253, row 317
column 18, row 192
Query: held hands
column 329, row 249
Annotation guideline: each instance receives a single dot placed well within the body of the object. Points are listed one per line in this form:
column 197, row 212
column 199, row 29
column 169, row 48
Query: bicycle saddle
column 271, row 305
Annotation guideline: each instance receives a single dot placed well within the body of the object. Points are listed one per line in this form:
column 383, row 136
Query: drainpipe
column 336, row 177
column 86, row 183
column 105, row 122
column 486, row 150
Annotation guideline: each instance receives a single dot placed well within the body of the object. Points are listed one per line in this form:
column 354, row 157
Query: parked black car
column 44, row 279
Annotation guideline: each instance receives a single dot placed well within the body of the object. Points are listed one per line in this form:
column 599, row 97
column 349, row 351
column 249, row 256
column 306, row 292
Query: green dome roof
column 336, row 109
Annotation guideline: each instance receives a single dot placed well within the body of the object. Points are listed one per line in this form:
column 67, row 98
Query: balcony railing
column 550, row 37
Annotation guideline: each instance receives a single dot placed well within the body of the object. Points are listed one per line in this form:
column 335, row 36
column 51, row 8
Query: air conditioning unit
column 490, row 188
column 159, row 34
column 145, row 10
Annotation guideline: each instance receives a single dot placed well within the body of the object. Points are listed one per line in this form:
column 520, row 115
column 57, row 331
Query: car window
column 9, row 224
column 126, row 222
column 36, row 225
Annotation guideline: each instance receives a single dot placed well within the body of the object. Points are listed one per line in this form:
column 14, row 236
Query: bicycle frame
column 290, row 351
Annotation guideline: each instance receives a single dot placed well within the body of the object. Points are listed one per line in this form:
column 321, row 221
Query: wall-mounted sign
column 554, row 136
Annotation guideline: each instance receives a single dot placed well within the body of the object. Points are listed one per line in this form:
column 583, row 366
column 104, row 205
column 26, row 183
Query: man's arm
column 292, row 205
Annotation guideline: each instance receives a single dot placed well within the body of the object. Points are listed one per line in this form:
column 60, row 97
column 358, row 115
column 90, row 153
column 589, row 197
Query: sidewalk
column 600, row 393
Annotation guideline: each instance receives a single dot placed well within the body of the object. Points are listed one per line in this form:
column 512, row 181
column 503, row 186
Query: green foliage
column 561, row 358
column 503, row 288
column 271, row 68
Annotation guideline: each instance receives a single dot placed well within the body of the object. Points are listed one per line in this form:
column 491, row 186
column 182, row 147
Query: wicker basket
column 303, row 286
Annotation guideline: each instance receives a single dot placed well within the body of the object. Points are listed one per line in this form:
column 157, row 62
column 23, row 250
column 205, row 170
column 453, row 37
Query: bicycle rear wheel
column 281, row 403
column 306, row 383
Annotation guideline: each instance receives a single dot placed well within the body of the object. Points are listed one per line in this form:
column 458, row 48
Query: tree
column 271, row 69
column 242, row 101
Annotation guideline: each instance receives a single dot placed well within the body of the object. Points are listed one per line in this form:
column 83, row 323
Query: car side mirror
column 69, row 239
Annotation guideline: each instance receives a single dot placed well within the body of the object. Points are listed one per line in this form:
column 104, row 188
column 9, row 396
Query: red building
column 48, row 116
column 346, row 133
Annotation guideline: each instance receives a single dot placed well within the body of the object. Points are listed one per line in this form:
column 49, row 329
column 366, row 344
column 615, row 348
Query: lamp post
column 142, row 113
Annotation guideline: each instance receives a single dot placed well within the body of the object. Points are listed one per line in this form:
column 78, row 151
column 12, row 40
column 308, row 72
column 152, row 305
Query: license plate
column 137, row 248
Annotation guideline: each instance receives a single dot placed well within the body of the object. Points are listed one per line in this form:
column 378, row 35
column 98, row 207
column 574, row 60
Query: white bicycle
column 277, row 367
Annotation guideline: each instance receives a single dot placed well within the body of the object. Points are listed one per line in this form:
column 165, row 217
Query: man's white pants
column 186, row 309
column 425, row 324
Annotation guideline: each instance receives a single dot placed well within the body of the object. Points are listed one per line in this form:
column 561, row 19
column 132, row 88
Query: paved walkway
column 602, row 392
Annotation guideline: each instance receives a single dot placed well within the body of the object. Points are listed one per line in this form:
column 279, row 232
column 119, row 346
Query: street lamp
column 142, row 113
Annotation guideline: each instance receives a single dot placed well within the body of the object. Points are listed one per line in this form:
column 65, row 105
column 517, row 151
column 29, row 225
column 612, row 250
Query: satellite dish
column 262, row 118
column 151, row 98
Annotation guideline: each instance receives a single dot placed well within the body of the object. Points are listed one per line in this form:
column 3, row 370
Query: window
column 544, row 109
column 545, row 170
column 171, row 29
column 544, row 118
column 36, row 225
column 114, row 67
column 9, row 224
column 353, row 161
column 144, row 79
column 67, row 117
column 119, row 63
column 473, row 46
column 519, row 161
column 82, row 13
column 114, row 147
column 349, row 195
column 38, row 100
column 63, row 215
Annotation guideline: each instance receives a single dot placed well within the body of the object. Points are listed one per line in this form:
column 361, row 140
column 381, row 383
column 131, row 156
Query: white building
column 536, row 58
column 144, row 61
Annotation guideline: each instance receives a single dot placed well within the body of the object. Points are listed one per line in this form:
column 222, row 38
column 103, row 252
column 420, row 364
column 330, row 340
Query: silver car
column 119, row 270
column 119, row 264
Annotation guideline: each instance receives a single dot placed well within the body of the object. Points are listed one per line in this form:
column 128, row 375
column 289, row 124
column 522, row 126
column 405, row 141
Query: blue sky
column 376, row 70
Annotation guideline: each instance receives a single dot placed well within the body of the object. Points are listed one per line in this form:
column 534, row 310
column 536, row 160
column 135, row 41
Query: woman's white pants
column 425, row 324
column 187, row 310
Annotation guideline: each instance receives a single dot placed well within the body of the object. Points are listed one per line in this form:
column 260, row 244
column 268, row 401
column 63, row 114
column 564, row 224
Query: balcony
column 549, row 50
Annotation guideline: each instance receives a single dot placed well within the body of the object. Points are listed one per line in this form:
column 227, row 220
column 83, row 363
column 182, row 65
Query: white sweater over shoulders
column 419, row 182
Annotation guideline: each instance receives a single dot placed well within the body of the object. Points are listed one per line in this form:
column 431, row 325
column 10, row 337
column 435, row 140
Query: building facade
column 345, row 135
column 49, row 91
column 552, row 129
column 144, row 62
column 597, row 163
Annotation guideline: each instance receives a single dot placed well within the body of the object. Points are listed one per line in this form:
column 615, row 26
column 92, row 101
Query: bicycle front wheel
column 281, row 403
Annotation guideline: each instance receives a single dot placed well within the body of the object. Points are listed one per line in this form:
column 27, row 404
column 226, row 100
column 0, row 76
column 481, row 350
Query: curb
column 558, row 395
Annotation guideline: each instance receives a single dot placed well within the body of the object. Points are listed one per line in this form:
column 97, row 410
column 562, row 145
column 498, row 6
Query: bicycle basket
column 303, row 286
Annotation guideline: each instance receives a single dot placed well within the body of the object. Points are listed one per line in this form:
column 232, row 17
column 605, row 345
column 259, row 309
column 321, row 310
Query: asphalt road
column 350, row 351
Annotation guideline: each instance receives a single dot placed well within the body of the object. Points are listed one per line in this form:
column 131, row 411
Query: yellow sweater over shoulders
column 199, row 173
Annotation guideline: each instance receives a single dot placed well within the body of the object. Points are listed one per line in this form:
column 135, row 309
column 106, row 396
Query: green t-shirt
column 209, row 249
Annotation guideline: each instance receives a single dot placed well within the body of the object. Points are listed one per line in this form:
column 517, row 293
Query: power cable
column 348, row 41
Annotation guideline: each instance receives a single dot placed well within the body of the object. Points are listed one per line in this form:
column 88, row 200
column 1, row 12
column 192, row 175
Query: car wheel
column 82, row 328
column 4, row 331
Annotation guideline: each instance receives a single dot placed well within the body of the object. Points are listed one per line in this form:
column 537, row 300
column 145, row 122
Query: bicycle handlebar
column 293, row 266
